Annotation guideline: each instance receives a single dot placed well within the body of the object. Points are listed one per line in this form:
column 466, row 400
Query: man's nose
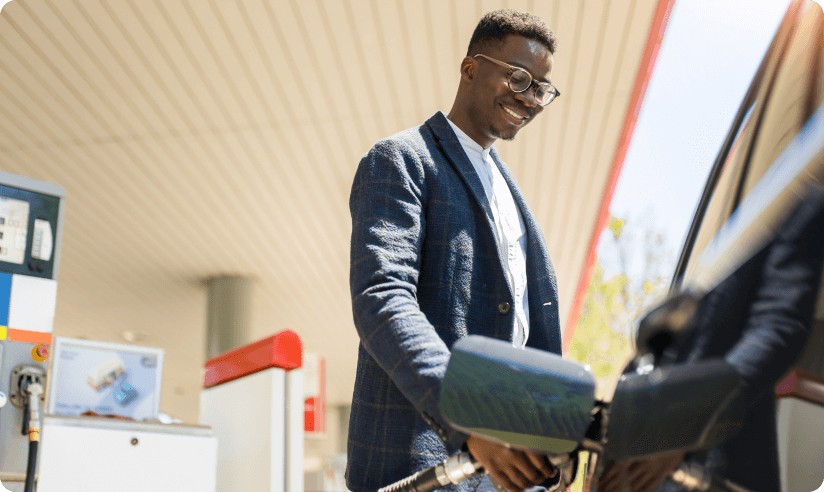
column 527, row 97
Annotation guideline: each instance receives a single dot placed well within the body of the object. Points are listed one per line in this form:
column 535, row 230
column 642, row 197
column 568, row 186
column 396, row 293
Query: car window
column 787, row 90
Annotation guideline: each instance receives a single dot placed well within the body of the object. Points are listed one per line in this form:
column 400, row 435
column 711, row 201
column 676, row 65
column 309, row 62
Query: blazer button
column 503, row 307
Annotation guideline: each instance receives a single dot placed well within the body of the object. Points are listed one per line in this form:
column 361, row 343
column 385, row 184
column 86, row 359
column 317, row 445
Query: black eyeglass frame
column 533, row 80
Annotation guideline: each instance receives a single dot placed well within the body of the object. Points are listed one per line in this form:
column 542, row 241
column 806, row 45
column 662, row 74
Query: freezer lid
column 128, row 425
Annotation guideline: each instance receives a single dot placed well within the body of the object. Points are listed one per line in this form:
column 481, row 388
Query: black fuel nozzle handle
column 661, row 328
column 24, row 385
column 25, row 430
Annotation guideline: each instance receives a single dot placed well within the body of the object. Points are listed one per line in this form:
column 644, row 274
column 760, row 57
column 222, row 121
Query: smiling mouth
column 514, row 114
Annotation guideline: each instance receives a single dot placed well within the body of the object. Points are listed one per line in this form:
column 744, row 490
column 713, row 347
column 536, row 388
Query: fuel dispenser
column 31, row 218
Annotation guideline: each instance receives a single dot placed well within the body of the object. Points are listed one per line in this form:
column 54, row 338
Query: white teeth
column 513, row 113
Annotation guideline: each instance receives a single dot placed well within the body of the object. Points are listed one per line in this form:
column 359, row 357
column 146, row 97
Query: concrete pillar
column 227, row 320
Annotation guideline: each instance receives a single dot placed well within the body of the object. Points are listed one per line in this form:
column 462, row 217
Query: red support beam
column 283, row 350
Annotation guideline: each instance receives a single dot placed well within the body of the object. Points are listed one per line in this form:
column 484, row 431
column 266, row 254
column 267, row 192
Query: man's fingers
column 649, row 482
column 645, row 478
column 501, row 467
column 521, row 479
column 646, row 475
column 515, row 471
column 542, row 464
column 504, row 480
column 639, row 470
column 669, row 465
column 527, row 473
column 614, row 479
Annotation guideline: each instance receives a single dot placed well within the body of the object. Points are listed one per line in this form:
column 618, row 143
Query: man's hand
column 639, row 476
column 515, row 470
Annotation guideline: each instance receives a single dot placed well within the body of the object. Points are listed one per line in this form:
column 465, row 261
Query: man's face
column 496, row 111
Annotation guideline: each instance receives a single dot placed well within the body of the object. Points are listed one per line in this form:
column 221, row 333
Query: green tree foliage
column 603, row 337
column 596, row 342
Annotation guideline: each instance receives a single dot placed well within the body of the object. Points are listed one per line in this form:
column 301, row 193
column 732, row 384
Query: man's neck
column 462, row 121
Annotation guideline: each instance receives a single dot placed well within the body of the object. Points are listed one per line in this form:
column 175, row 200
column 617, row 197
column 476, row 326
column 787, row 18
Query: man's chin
column 508, row 136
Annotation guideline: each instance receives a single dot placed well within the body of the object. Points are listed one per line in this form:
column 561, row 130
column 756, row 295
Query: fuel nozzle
column 29, row 393
column 33, row 392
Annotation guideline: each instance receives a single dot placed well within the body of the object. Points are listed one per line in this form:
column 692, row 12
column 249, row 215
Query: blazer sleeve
column 387, row 204
column 780, row 316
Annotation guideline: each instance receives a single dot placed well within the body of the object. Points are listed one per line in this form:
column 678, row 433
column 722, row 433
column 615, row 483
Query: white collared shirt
column 510, row 229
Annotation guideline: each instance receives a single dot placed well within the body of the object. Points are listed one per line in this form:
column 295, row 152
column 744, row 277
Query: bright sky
column 710, row 53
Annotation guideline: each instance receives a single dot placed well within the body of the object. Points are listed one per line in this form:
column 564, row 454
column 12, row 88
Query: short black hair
column 496, row 25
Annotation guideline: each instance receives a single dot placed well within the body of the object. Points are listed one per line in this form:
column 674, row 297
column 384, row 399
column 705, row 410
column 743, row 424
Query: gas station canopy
column 220, row 137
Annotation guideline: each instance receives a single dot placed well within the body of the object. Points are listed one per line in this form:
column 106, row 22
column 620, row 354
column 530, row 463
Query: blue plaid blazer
column 425, row 270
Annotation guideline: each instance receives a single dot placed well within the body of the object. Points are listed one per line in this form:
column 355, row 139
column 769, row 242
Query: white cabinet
column 258, row 419
column 81, row 454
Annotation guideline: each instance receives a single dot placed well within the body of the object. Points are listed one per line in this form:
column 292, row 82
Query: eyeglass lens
column 520, row 80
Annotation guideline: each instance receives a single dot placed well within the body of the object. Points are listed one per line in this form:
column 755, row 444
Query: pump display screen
column 14, row 223
column 29, row 226
column 105, row 378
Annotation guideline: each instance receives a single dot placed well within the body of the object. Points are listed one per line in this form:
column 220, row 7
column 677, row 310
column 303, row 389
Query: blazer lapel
column 456, row 155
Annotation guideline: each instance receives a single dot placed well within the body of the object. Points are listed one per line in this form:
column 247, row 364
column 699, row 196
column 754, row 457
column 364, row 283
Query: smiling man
column 443, row 246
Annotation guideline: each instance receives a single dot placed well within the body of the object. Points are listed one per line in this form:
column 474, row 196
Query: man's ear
column 469, row 66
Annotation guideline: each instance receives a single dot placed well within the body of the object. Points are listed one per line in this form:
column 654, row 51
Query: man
column 444, row 245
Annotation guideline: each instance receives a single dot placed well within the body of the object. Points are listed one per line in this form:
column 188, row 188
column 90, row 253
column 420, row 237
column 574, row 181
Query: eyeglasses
column 520, row 80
